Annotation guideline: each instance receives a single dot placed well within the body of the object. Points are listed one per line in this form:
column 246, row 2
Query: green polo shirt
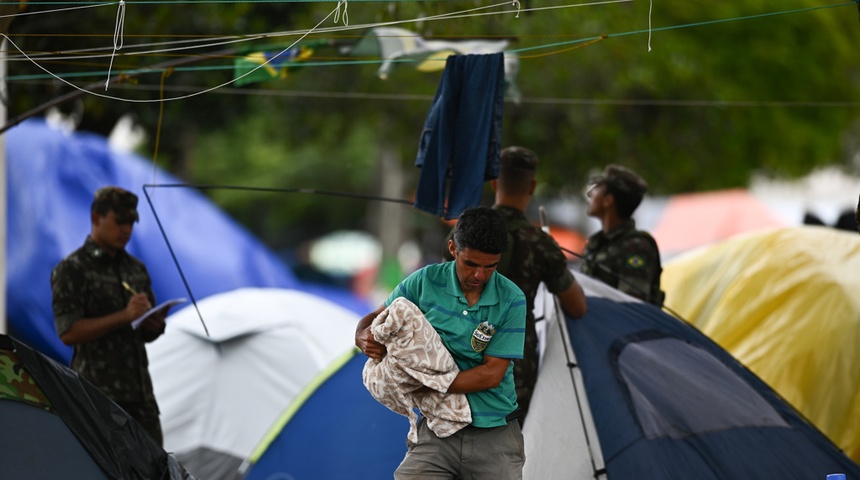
column 502, row 307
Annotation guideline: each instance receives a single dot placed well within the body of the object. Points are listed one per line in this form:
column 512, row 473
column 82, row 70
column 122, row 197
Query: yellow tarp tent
column 786, row 304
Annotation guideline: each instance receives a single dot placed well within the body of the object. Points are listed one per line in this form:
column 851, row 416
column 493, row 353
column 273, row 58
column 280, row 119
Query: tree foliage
column 727, row 89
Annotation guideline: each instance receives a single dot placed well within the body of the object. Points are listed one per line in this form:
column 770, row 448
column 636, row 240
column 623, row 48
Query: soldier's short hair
column 625, row 186
column 517, row 169
column 122, row 202
column 482, row 229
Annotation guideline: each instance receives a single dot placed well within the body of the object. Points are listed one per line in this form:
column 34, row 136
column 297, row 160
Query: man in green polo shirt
column 480, row 317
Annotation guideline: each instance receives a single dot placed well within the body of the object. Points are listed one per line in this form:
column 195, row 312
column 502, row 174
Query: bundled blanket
column 416, row 358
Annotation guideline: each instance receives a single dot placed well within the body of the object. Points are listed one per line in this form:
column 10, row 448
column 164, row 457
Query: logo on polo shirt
column 482, row 336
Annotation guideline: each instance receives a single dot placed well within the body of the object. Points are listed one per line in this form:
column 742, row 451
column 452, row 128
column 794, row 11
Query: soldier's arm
column 67, row 291
column 152, row 328
column 88, row 329
column 560, row 280
column 573, row 300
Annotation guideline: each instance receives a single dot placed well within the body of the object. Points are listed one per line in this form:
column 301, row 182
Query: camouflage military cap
column 121, row 201
column 622, row 180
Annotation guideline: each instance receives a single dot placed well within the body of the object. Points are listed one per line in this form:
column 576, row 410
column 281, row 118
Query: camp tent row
column 784, row 302
column 665, row 401
column 221, row 394
column 627, row 392
column 53, row 175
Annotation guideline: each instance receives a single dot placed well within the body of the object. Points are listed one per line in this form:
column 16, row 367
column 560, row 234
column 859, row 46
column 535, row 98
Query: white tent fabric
column 667, row 402
column 219, row 395
column 560, row 393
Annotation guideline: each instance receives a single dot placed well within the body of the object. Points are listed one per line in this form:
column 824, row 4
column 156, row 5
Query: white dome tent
column 220, row 394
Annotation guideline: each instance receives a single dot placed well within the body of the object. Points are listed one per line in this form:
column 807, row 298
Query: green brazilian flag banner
column 263, row 66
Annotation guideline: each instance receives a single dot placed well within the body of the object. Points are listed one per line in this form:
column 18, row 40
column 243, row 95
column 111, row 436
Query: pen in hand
column 137, row 305
column 126, row 286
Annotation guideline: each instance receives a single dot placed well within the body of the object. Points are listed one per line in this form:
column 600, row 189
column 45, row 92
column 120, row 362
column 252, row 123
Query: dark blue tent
column 631, row 392
column 627, row 392
column 52, row 176
column 336, row 429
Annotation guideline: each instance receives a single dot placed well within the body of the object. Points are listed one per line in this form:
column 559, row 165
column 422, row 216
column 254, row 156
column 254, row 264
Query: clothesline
column 188, row 44
column 401, row 97
column 209, row 41
column 335, row 13
column 218, row 41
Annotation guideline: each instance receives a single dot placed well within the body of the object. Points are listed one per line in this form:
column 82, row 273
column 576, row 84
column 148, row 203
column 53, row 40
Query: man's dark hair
column 517, row 166
column 625, row 186
column 122, row 202
column 482, row 229
column 625, row 202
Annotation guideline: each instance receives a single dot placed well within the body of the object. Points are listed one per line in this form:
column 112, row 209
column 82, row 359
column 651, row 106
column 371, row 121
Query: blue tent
column 627, row 392
column 52, row 176
column 360, row 437
column 631, row 392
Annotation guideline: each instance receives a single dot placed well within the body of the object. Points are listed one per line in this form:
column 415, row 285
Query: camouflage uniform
column 88, row 284
column 626, row 259
column 532, row 257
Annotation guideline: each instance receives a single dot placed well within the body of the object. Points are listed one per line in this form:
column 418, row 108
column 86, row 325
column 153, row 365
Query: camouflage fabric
column 17, row 384
column 532, row 257
column 626, row 259
column 88, row 284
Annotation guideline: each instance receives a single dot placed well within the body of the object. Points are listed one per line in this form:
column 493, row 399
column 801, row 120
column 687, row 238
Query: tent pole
column 3, row 213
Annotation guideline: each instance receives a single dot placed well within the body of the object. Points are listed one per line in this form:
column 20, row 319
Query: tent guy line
column 296, row 190
column 153, row 186
column 313, row 191
column 175, row 260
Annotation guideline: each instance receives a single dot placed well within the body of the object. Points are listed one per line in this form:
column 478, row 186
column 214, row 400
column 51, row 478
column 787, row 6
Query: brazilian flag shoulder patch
column 636, row 261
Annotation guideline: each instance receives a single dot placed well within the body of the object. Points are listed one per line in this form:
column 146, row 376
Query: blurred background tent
column 693, row 220
column 693, row 412
column 52, row 175
column 267, row 352
column 785, row 303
